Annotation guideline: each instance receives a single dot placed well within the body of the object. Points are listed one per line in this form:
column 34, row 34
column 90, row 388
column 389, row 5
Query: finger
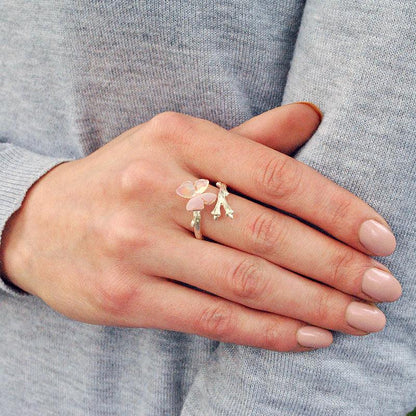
column 289, row 243
column 187, row 310
column 275, row 179
column 283, row 128
column 259, row 284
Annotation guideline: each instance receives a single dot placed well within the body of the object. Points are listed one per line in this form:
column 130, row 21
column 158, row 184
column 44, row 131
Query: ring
column 198, row 198
column 222, row 202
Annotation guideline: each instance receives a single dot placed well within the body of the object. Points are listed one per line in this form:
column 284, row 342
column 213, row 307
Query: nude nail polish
column 313, row 337
column 365, row 317
column 381, row 285
column 377, row 238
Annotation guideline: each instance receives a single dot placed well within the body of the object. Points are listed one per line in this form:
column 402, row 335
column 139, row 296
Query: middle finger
column 287, row 242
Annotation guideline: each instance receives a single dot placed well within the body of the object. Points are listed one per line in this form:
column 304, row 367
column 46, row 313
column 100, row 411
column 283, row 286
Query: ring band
column 196, row 224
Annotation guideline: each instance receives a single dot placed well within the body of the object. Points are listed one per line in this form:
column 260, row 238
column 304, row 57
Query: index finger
column 275, row 179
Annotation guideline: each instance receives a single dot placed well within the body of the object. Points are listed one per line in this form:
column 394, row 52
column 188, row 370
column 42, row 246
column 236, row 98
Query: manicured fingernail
column 314, row 107
column 377, row 238
column 365, row 317
column 312, row 337
column 381, row 285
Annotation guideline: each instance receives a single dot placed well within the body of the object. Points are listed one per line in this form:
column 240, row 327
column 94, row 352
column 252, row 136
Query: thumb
column 283, row 128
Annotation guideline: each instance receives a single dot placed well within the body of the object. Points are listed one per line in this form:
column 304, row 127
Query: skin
column 105, row 239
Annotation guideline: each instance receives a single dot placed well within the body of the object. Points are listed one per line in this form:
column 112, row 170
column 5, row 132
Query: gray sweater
column 75, row 74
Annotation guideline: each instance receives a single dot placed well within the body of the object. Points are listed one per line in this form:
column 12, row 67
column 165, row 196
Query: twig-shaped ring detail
column 222, row 202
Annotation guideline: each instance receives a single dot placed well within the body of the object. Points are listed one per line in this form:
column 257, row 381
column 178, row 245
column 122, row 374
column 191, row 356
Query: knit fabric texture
column 75, row 74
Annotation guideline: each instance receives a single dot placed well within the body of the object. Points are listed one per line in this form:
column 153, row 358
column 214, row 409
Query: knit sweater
column 75, row 74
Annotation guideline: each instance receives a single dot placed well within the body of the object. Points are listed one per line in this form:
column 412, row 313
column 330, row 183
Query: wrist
column 14, row 254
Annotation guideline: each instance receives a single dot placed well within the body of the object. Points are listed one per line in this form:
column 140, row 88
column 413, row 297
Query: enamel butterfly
column 195, row 193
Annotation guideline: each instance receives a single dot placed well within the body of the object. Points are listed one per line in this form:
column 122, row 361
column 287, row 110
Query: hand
column 104, row 238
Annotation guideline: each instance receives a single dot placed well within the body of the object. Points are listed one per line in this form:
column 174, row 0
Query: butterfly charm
column 195, row 193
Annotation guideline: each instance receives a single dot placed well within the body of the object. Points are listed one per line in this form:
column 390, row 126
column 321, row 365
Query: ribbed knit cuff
column 19, row 170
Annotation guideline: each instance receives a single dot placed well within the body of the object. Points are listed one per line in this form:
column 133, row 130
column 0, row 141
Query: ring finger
column 254, row 282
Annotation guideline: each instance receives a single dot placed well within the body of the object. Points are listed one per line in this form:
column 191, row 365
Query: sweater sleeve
column 19, row 170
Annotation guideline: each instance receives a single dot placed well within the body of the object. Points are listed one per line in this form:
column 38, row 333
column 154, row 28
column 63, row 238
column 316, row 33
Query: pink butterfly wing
column 201, row 185
column 209, row 197
column 186, row 190
column 195, row 204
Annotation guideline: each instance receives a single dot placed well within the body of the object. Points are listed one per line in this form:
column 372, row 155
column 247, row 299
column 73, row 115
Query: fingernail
column 313, row 337
column 377, row 238
column 365, row 317
column 314, row 107
column 381, row 285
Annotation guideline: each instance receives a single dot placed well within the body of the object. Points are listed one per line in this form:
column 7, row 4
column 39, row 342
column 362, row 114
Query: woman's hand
column 105, row 239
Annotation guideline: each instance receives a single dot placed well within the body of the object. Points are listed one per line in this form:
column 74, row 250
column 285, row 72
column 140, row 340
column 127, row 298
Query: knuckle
column 280, row 177
column 340, row 211
column 323, row 307
column 265, row 234
column 247, row 279
column 120, row 236
column 272, row 337
column 171, row 125
column 341, row 265
column 164, row 119
column 280, row 337
column 114, row 296
column 136, row 178
column 216, row 321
